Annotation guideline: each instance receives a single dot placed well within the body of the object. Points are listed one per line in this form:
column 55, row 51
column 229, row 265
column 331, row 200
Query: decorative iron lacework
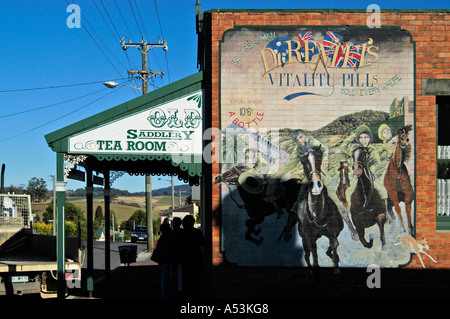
column 194, row 168
column 71, row 161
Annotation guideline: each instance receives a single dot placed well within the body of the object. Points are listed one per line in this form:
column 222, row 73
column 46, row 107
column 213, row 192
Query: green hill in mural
column 346, row 124
column 333, row 134
column 343, row 125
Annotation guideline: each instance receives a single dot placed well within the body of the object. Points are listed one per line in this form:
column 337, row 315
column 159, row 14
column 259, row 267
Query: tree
column 98, row 217
column 42, row 228
column 70, row 229
column 37, row 188
column 138, row 218
column 47, row 216
column 73, row 214
column 15, row 189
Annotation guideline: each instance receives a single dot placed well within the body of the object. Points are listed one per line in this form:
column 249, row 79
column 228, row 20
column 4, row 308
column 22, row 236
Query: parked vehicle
column 139, row 234
column 28, row 263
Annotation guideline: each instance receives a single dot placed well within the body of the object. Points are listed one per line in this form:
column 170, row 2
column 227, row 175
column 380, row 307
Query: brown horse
column 396, row 180
column 367, row 208
column 320, row 215
column 344, row 183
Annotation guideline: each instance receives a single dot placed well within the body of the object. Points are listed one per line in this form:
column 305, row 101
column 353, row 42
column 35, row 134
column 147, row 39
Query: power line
column 162, row 35
column 56, row 86
column 84, row 19
column 105, row 46
column 50, row 105
column 115, row 29
column 159, row 20
column 129, row 32
column 140, row 17
column 140, row 32
column 110, row 19
column 42, row 125
column 123, row 19
column 103, row 18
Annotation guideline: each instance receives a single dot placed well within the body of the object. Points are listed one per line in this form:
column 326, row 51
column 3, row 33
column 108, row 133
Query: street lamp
column 148, row 178
column 112, row 85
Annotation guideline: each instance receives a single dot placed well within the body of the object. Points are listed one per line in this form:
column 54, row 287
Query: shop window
column 443, row 163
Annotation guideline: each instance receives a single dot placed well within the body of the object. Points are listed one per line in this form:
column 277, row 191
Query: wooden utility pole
column 144, row 47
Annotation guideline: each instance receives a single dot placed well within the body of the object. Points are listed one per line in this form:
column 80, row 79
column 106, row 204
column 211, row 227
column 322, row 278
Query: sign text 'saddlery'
column 175, row 126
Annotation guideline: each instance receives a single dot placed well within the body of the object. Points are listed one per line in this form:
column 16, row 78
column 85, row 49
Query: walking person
column 176, row 251
column 192, row 258
column 162, row 256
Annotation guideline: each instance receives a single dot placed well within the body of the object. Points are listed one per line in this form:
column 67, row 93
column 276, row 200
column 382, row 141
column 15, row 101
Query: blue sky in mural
column 52, row 75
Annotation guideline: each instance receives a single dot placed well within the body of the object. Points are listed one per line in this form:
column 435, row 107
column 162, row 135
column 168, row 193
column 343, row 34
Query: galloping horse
column 367, row 207
column 252, row 194
column 320, row 215
column 344, row 183
column 396, row 180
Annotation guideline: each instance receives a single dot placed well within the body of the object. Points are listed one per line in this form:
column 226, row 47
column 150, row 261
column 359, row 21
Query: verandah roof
column 137, row 159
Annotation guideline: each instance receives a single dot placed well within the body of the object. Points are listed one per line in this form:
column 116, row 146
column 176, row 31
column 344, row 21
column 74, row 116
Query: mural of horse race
column 317, row 146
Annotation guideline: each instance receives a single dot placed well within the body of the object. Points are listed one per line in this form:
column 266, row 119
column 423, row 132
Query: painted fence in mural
column 317, row 128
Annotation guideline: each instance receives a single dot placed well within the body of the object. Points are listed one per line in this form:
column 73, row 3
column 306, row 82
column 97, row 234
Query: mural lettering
column 332, row 52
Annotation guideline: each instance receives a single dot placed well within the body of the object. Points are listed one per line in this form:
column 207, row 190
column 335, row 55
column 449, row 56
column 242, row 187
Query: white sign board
column 173, row 127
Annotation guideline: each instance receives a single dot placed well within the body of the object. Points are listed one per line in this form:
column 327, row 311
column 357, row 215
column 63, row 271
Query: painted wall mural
column 317, row 133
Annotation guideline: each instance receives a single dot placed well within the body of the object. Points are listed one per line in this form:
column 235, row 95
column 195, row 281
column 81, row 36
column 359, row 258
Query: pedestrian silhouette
column 192, row 258
column 176, row 251
column 162, row 255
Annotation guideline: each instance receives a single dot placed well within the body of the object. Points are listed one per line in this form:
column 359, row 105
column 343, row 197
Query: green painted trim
column 442, row 222
column 57, row 140
column 60, row 238
column 191, row 164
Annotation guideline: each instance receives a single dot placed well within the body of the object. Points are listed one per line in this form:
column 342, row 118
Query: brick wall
column 431, row 34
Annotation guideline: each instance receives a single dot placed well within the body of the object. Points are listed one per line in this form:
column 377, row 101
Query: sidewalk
column 139, row 280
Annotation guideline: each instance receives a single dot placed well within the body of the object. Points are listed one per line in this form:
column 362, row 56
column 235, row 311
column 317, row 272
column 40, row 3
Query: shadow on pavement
column 130, row 282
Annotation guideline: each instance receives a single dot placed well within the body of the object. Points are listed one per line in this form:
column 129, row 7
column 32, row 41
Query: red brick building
column 270, row 72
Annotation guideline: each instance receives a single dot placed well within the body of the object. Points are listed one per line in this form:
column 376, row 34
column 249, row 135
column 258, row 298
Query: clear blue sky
column 39, row 50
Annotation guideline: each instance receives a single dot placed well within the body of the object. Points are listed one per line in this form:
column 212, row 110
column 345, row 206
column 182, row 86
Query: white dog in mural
column 417, row 246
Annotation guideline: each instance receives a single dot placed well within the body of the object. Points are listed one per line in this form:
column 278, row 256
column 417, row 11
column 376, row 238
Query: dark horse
column 367, row 208
column 396, row 180
column 320, row 215
column 251, row 189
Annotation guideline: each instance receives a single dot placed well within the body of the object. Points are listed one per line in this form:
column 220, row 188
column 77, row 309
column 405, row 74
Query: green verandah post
column 60, row 187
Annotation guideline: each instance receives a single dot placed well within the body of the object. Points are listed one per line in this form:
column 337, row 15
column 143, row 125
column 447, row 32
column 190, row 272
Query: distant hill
column 185, row 190
column 98, row 191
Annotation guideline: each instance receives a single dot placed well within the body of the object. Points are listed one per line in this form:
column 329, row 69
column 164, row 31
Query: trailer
column 28, row 261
